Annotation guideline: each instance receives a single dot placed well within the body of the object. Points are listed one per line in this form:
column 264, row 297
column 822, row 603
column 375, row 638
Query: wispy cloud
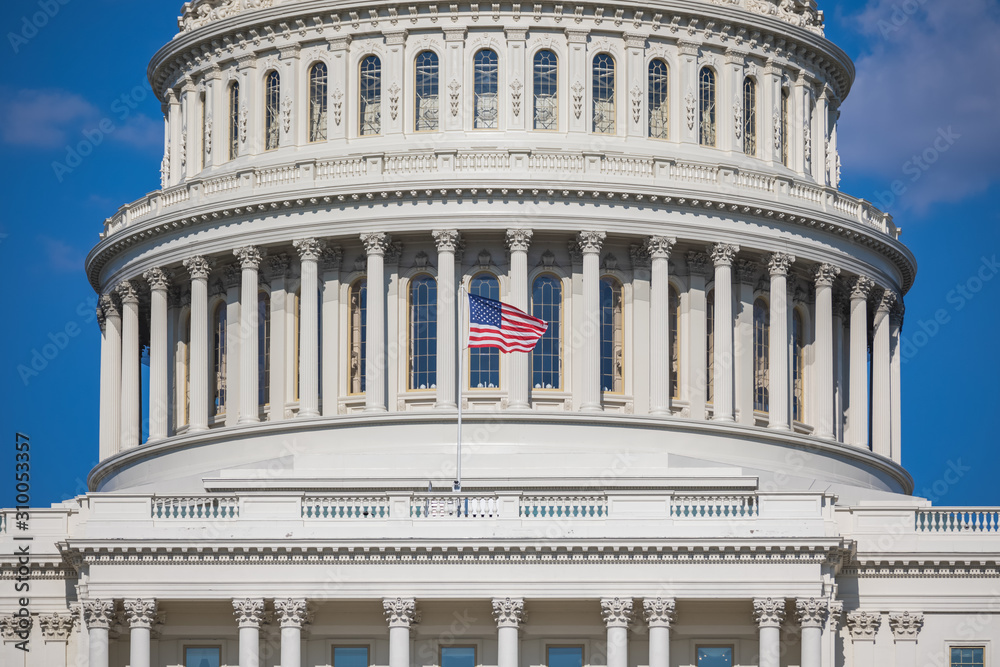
column 62, row 257
column 44, row 118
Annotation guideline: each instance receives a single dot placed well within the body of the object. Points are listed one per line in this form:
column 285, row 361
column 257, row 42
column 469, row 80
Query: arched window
column 761, row 347
column 675, row 343
column 370, row 96
column 486, row 76
column 710, row 346
column 219, row 359
column 706, row 106
column 423, row 333
column 749, row 116
column 358, row 303
column 426, row 89
column 659, row 99
column 184, row 372
column 546, row 359
column 318, row 82
column 604, row 94
column 798, row 367
column 264, row 348
column 484, row 362
column 612, row 336
column 546, row 91
column 783, row 127
column 272, row 111
column 234, row 120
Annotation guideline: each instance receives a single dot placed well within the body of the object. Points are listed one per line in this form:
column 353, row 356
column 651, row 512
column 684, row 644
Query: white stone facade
column 703, row 456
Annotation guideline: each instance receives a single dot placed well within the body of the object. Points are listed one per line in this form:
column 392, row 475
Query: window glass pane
column 675, row 343
column 234, row 120
column 263, row 348
column 798, row 364
column 612, row 336
column 968, row 656
column 458, row 656
column 486, row 75
column 546, row 96
column 370, row 96
column 750, row 116
column 272, row 111
column 710, row 345
column 706, row 107
column 715, row 656
column 659, row 106
column 426, row 90
column 761, row 341
column 546, row 358
column 317, row 102
column 356, row 364
column 484, row 362
column 219, row 359
column 784, row 128
column 423, row 333
column 565, row 656
column 350, row 656
column 604, row 94
column 202, row 656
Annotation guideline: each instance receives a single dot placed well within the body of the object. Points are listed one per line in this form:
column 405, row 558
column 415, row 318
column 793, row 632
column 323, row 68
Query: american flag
column 495, row 324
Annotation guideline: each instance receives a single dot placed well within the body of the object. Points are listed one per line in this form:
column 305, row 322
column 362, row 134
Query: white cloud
column 43, row 118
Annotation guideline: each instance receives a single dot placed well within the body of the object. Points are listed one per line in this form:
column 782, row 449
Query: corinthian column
column 723, row 255
column 158, row 353
column 881, row 377
column 617, row 612
column 896, row 320
column 198, row 267
column 331, row 330
column 400, row 614
column 447, row 241
column 310, row 251
column 249, row 258
column 779, row 398
column 590, row 383
column 812, row 616
column 141, row 615
column 508, row 612
column 905, row 628
column 863, row 626
column 249, row 614
column 659, row 613
column 858, row 425
column 131, row 411
column 659, row 323
column 98, row 616
column 768, row 614
column 518, row 241
column 292, row 614
column 111, row 403
column 825, row 274
column 375, row 244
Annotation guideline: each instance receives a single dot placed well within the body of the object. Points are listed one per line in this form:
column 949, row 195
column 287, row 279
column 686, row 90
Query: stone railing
column 195, row 507
column 958, row 520
column 689, row 179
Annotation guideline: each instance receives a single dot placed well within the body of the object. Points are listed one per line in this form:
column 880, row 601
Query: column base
column 446, row 406
column 375, row 408
column 779, row 427
column 592, row 408
column 724, row 418
column 310, row 413
column 248, row 420
column 519, row 406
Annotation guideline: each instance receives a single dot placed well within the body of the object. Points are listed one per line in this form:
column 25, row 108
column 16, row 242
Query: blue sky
column 928, row 79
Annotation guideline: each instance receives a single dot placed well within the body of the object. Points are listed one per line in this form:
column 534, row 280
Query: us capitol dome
column 700, row 463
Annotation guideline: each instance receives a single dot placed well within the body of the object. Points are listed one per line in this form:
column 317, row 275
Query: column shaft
column 158, row 355
column 375, row 361
column 233, row 369
column 743, row 343
column 770, row 647
column 198, row 357
column 277, row 387
column 250, row 647
column 812, row 646
column 309, row 253
column 507, row 646
column 249, row 258
column 659, row 646
column 895, row 388
column 882, row 378
column 98, row 647
column 859, row 361
column 518, row 241
column 331, row 332
column 659, row 324
column 131, row 409
column 139, row 647
column 447, row 334
column 723, row 256
column 696, row 349
column 825, row 275
column 590, row 382
column 399, row 647
column 617, row 646
column 291, row 646
column 779, row 398
column 112, row 404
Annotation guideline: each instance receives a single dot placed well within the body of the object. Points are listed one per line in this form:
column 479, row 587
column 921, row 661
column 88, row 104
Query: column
column 508, row 612
column 174, row 129
column 860, row 289
column 331, row 330
column 834, row 155
column 746, row 276
column 590, row 383
column 822, row 137
column 517, row 113
column 277, row 269
column 233, row 282
column 249, row 258
column 579, row 78
column 248, row 125
column 290, row 95
column 659, row 613
column 98, row 616
column 770, row 113
column 812, row 616
column 198, row 267
column 249, row 614
column 617, row 612
column 637, row 108
column 309, row 251
column 215, row 141
column 832, row 633
column 824, row 274
column 111, row 403
column 394, row 78
column 131, row 410
column 292, row 615
column 518, row 241
column 339, row 68
column 688, row 54
column 723, row 255
column 768, row 614
column 841, row 304
column 56, row 632
column 896, row 320
column 141, row 614
column 189, row 142
column 640, row 324
column 779, row 398
column 447, row 241
column 863, row 626
column 882, row 376
column 659, row 248
column 158, row 353
column 400, row 614
column 798, row 112
column 905, row 628
column 696, row 351
column 375, row 244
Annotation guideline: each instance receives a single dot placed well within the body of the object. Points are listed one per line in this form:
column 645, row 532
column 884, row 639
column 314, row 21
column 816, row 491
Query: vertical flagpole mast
column 463, row 339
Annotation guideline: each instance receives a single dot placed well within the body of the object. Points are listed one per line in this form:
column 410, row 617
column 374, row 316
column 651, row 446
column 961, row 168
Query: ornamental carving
column 140, row 613
column 515, row 96
column 249, row 256
column 812, row 611
column 636, row 104
column 639, row 255
column 286, row 115
column 863, row 624
column 697, row 263
column 447, row 240
column 127, row 292
column 659, row 612
column 249, row 612
column 338, row 106
column 183, row 149
column 836, row 611
column 202, row 12
column 886, row 302
column 107, row 304
column 802, row 13
column 453, row 88
column 738, row 120
column 659, row 247
column 244, row 123
column 508, row 612
column 292, row 613
column 778, row 263
column 807, row 143
column 157, row 278
column 825, row 275
column 375, row 243
column 746, row 271
column 723, row 254
column 518, row 239
column 208, row 137
column 769, row 612
column 861, row 287
column 309, row 249
column 591, row 242
column 394, row 100
column 165, row 169
column 616, row 612
column 99, row 613
column 906, row 625
column 332, row 258
column 277, row 266
column 15, row 627
column 776, row 118
column 689, row 106
column 57, row 627
column 577, row 99
column 399, row 612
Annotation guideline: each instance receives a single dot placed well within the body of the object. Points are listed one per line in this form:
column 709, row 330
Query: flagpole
column 461, row 382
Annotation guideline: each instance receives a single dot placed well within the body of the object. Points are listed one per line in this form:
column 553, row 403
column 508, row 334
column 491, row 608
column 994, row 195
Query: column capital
column 276, row 266
column 778, row 263
column 616, row 612
column 249, row 256
column 863, row 624
column 861, row 288
column 249, row 612
column 309, row 249
column 769, row 612
column 825, row 274
column 812, row 611
column 400, row 612
column 15, row 627
column 897, row 313
column 447, row 240
column 519, row 239
column 57, row 627
column 157, row 278
column 107, row 304
column 723, row 254
column 99, row 613
column 292, row 612
column 746, row 271
column 590, row 242
column 836, row 611
column 140, row 612
column 332, row 258
column 127, row 292
column 906, row 626
column 659, row 247
column 508, row 612
column 659, row 612
column 376, row 243
column 886, row 301
column 198, row 267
